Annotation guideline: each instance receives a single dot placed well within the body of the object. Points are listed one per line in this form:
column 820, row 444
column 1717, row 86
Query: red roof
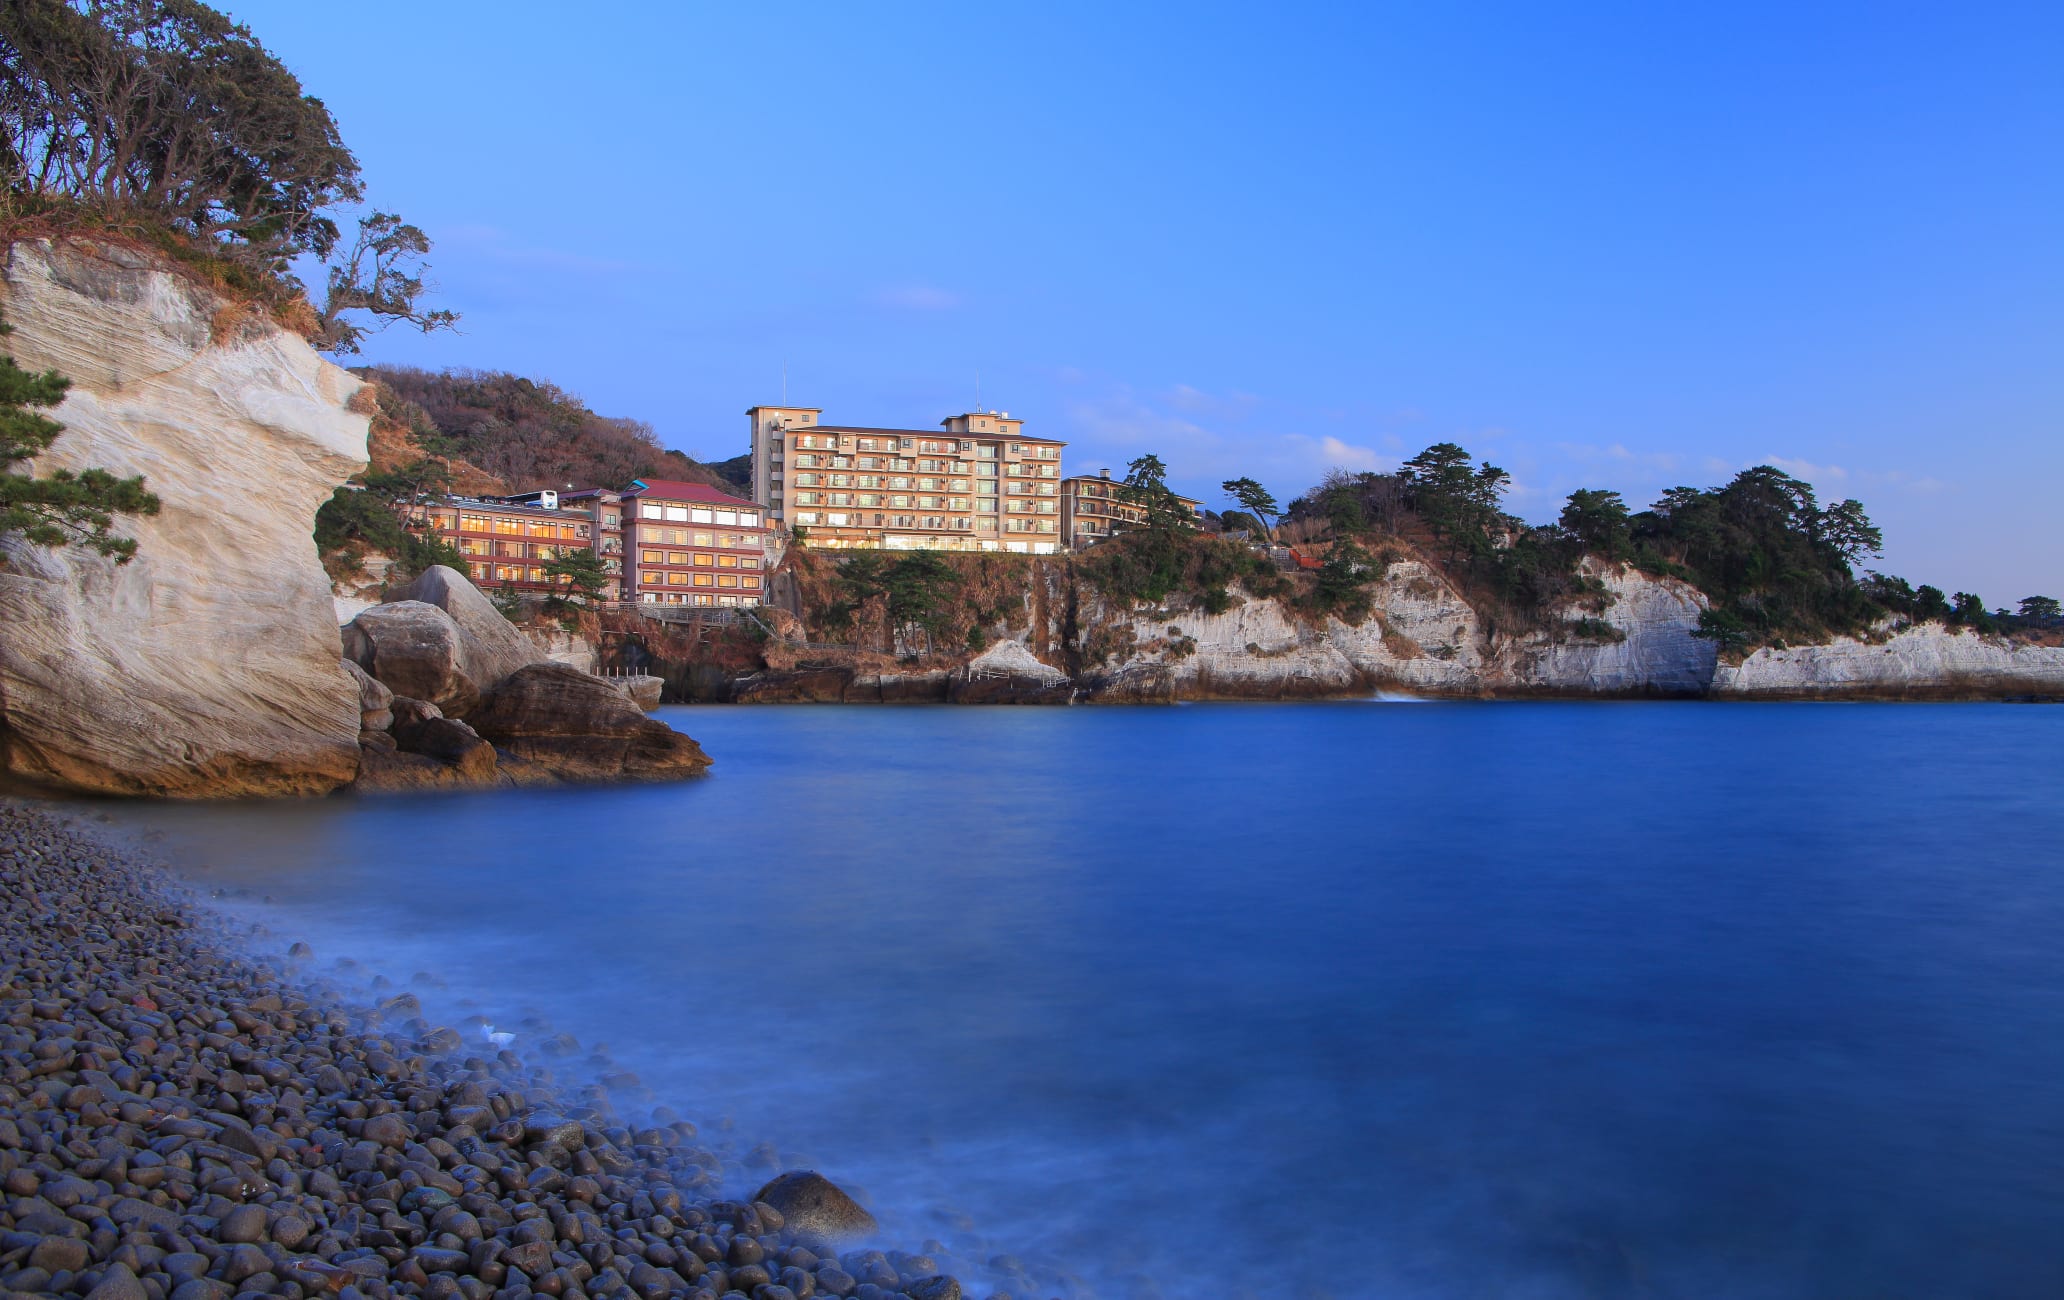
column 666, row 489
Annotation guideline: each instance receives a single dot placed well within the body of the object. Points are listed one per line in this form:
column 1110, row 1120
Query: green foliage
column 1596, row 629
column 1236, row 520
column 169, row 109
column 1726, row 629
column 917, row 589
column 527, row 432
column 357, row 517
column 1168, row 568
column 1766, row 553
column 1341, row 586
column 1458, row 502
column 581, row 572
column 64, row 507
column 2041, row 609
column 381, row 275
column 1968, row 610
column 1255, row 499
column 1599, row 520
column 372, row 518
column 1146, row 486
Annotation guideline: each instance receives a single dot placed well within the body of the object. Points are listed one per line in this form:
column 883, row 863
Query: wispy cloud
column 1807, row 470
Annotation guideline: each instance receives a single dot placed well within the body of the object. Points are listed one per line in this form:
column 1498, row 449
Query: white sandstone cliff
column 208, row 665
column 1926, row 662
column 1422, row 635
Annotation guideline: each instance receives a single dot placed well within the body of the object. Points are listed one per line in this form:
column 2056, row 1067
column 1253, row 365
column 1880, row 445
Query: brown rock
column 415, row 649
column 582, row 728
column 815, row 1209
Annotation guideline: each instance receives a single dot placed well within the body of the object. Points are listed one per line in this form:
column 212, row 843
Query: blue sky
column 1621, row 246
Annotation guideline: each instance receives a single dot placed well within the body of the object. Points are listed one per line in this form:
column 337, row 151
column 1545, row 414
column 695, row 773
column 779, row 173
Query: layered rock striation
column 207, row 666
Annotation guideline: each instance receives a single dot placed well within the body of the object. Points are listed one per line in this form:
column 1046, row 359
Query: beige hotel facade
column 977, row 483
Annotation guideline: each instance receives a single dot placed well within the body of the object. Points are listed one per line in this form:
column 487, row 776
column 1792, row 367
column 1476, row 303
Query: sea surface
column 1372, row 999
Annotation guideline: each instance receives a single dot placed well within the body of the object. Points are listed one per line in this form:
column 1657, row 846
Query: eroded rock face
column 207, row 666
column 1927, row 662
column 1655, row 655
column 581, row 728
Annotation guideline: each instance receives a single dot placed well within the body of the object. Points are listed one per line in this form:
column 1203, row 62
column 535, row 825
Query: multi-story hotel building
column 507, row 541
column 689, row 544
column 1093, row 507
column 979, row 483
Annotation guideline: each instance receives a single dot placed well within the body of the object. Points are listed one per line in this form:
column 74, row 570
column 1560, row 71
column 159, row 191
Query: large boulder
column 207, row 665
column 490, row 646
column 582, row 728
column 815, row 1209
column 416, row 650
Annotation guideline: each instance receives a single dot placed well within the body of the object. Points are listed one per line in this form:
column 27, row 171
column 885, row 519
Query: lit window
column 677, row 579
column 703, row 579
column 727, row 561
column 705, row 559
column 727, row 580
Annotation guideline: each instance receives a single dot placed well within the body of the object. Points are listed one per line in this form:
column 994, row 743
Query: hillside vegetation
column 529, row 433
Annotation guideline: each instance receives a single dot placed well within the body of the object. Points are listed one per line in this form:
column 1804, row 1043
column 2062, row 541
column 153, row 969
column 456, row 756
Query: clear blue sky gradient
column 1621, row 246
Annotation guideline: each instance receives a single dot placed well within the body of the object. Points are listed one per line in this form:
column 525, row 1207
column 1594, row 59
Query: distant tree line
column 1776, row 564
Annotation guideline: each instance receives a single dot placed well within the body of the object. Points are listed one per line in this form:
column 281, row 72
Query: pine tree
column 66, row 508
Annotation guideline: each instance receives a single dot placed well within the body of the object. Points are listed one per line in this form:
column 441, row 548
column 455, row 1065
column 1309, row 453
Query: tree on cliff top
column 67, row 507
column 167, row 118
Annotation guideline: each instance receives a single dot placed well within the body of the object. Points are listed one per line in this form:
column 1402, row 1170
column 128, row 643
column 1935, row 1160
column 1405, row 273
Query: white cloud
column 1806, row 469
column 1348, row 456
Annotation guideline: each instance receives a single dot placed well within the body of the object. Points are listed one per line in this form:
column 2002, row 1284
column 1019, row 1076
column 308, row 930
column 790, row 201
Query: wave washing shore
column 178, row 1122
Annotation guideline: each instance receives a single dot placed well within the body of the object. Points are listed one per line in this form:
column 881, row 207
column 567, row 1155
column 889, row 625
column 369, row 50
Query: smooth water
column 1354, row 1000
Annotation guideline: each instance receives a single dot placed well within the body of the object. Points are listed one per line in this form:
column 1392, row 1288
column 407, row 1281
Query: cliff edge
column 208, row 665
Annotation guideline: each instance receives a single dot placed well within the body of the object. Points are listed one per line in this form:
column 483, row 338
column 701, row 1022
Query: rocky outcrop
column 490, row 646
column 1926, row 662
column 1649, row 648
column 582, row 728
column 416, row 650
column 207, row 666
column 641, row 689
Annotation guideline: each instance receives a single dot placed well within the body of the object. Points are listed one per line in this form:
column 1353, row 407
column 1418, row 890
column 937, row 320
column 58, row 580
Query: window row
column 683, row 537
column 698, row 514
column 702, row 559
column 675, row 579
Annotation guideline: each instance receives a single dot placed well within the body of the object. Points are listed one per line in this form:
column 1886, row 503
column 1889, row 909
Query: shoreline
column 180, row 1119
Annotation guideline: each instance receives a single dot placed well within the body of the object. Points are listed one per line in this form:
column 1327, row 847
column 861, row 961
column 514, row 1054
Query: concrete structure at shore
column 1094, row 507
column 978, row 483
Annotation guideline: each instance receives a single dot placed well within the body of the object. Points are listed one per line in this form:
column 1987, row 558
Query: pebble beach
column 180, row 1120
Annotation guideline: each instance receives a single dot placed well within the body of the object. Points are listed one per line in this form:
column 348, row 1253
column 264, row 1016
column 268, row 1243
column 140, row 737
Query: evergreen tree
column 67, row 507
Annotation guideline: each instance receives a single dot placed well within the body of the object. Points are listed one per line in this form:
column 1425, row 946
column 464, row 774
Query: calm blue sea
column 1351, row 1000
